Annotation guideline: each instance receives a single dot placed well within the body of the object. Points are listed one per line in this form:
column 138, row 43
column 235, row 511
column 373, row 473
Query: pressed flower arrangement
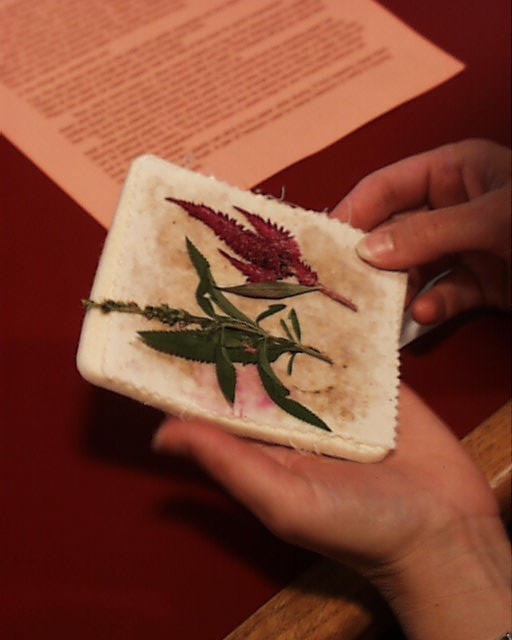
column 230, row 337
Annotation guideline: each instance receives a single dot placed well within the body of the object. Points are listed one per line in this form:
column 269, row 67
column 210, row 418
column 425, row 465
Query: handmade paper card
column 240, row 309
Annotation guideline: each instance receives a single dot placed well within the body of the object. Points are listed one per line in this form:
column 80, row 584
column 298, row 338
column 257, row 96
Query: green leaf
column 189, row 344
column 286, row 330
column 273, row 308
column 226, row 372
column 270, row 290
column 301, row 412
column 200, row 345
column 202, row 267
column 295, row 323
column 278, row 393
column 208, row 285
column 200, row 263
column 204, row 302
column 226, row 306
column 265, row 370
column 235, row 339
column 290, row 364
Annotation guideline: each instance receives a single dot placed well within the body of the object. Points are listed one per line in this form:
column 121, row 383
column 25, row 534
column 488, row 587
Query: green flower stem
column 163, row 313
column 311, row 351
column 171, row 317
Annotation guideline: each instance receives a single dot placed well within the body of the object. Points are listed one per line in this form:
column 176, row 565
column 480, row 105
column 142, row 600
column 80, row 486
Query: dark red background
column 104, row 539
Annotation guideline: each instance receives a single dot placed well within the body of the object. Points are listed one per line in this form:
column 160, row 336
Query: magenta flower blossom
column 270, row 252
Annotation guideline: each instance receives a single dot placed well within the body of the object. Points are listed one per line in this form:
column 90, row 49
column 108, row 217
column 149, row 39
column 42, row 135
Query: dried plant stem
column 172, row 317
column 337, row 297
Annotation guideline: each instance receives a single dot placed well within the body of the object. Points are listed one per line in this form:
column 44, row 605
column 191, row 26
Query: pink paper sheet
column 234, row 88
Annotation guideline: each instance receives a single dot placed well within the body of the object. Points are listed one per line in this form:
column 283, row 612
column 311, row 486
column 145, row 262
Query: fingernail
column 375, row 245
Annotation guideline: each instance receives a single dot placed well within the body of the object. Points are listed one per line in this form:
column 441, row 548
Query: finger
column 384, row 193
column 433, row 178
column 419, row 277
column 456, row 292
column 254, row 478
column 482, row 224
column 440, row 178
column 415, row 283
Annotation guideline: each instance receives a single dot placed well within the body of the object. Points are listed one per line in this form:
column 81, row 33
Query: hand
column 424, row 502
column 445, row 209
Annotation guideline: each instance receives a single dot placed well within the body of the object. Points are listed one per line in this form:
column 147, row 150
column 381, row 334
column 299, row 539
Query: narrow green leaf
column 295, row 323
column 278, row 393
column 265, row 371
column 226, row 306
column 286, row 330
column 226, row 372
column 270, row 290
column 208, row 285
column 290, row 364
column 204, row 302
column 199, row 262
column 301, row 412
column 202, row 268
column 273, row 308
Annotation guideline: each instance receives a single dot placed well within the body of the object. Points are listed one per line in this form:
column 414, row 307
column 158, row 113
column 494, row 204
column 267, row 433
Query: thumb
column 481, row 224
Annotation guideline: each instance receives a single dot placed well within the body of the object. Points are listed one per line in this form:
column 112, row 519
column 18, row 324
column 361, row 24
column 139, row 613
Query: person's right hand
column 422, row 524
column 446, row 209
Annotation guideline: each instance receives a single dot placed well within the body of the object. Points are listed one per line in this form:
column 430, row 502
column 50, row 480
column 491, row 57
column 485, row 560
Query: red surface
column 102, row 538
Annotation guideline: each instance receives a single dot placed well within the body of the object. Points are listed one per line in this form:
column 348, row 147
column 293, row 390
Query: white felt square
column 145, row 260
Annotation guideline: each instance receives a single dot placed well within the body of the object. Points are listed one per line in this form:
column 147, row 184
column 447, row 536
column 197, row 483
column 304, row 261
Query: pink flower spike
column 271, row 252
column 304, row 274
column 245, row 243
column 269, row 230
column 252, row 272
